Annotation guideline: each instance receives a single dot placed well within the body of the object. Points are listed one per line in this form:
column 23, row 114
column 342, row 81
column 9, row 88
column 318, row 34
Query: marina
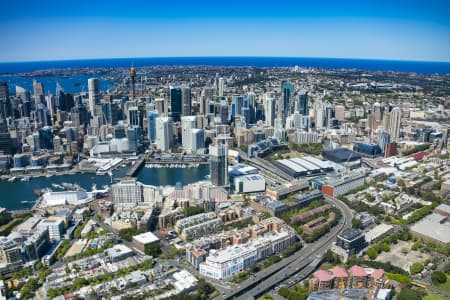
column 20, row 194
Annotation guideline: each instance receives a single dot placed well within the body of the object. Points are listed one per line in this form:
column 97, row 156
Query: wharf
column 136, row 166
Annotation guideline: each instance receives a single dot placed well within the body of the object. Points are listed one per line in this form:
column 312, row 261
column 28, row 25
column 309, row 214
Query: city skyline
column 57, row 31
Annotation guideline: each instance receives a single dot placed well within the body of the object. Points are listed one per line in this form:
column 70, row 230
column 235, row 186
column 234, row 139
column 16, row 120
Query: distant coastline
column 422, row 67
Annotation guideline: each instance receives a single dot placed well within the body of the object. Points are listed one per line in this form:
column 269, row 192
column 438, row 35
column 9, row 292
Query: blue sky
column 53, row 30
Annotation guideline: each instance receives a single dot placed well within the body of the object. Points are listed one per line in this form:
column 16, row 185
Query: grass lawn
column 433, row 296
column 444, row 286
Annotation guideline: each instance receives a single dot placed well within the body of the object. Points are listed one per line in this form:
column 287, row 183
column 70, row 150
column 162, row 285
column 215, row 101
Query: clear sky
column 53, row 30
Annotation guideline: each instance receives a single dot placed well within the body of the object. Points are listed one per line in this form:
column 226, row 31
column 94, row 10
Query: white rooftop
column 146, row 238
column 377, row 231
column 444, row 207
column 434, row 227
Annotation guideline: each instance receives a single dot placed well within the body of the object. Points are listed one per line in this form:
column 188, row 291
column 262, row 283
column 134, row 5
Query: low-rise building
column 119, row 252
column 249, row 183
column 143, row 240
column 352, row 241
column 232, row 260
column 434, row 228
column 336, row 186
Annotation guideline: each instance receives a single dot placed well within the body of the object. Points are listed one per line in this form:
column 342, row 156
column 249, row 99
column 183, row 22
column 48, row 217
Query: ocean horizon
column 424, row 67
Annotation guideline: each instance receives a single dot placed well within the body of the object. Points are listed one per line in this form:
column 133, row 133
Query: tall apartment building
column 219, row 164
column 188, row 123
column 164, row 133
column 94, row 94
column 126, row 193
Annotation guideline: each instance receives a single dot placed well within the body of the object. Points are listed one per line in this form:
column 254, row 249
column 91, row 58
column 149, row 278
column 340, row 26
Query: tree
column 331, row 258
column 438, row 277
column 372, row 253
column 416, row 268
column 152, row 250
column 416, row 246
column 128, row 233
column 410, row 294
column 192, row 210
column 356, row 223
column 385, row 247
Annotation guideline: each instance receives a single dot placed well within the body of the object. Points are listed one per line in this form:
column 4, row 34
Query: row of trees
column 373, row 251
column 310, row 148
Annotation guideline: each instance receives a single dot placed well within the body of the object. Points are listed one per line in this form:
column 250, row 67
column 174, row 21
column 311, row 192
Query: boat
column 26, row 202
column 70, row 186
column 49, row 175
column 57, row 186
column 26, row 178
column 12, row 179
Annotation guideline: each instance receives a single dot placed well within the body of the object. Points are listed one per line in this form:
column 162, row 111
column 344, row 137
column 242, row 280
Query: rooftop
column 433, row 226
column 378, row 273
column 323, row 275
column 146, row 238
column 358, row 271
column 341, row 155
column 350, row 234
column 444, row 207
column 339, row 272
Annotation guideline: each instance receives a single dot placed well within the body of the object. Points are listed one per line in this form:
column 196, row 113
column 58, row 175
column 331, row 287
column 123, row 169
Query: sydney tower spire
column 133, row 76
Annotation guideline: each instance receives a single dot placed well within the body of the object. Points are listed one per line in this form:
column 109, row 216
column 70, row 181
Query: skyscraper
column 5, row 108
column 237, row 105
column 221, row 86
column 319, row 114
column 152, row 115
column 287, row 92
column 197, row 140
column 38, row 90
column 394, row 124
column 134, row 118
column 207, row 96
column 303, row 103
column 161, row 106
column 383, row 140
column 94, row 94
column 269, row 108
column 218, row 155
column 164, row 133
column 187, row 124
column 186, row 101
column 175, row 103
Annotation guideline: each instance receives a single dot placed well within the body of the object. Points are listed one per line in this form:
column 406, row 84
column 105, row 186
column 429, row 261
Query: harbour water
column 317, row 62
column 13, row 193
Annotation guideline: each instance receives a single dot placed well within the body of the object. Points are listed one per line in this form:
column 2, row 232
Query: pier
column 136, row 166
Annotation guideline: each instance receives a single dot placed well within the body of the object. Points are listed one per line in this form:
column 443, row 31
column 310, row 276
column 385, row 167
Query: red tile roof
column 323, row 275
column 377, row 273
column 358, row 271
column 339, row 272
column 419, row 155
